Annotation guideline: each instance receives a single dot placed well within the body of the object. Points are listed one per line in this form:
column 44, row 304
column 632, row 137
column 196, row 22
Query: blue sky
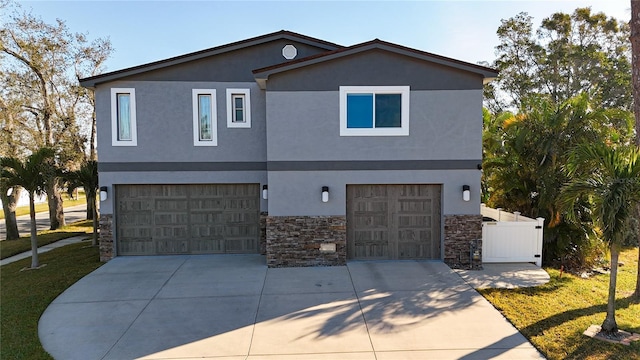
column 145, row 31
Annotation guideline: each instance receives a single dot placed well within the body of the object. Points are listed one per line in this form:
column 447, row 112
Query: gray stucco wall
column 443, row 125
column 374, row 67
column 299, row 192
column 164, row 119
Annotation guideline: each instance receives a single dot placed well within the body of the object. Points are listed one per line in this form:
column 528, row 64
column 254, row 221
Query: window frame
column 231, row 108
column 403, row 91
column 115, row 139
column 195, row 93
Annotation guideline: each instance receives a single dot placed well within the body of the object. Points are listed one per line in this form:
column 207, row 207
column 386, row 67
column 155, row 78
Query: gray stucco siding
column 231, row 66
column 305, row 126
column 111, row 179
column 374, row 67
column 164, row 116
column 294, row 193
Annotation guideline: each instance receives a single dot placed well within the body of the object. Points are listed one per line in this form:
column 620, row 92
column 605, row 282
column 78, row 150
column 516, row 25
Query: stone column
column 463, row 241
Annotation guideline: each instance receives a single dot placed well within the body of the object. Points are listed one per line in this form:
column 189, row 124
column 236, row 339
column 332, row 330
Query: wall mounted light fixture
column 325, row 194
column 466, row 193
column 265, row 192
column 103, row 193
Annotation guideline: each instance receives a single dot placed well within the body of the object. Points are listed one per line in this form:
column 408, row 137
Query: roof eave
column 488, row 74
column 91, row 82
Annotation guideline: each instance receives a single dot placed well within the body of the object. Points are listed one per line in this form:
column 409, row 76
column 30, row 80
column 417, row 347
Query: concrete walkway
column 46, row 248
column 234, row 307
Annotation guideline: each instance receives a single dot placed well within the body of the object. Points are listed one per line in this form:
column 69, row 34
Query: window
column 374, row 110
column 238, row 108
column 205, row 121
column 123, row 117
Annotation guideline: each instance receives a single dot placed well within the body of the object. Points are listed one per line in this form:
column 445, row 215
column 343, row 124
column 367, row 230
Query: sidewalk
column 45, row 248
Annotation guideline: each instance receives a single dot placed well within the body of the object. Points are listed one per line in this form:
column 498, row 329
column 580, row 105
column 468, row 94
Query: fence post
column 540, row 239
column 499, row 213
column 517, row 214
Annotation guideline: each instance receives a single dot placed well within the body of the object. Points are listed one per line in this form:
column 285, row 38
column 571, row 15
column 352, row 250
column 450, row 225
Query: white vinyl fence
column 511, row 237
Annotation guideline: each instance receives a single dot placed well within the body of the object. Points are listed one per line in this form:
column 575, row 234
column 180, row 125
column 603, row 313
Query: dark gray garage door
column 393, row 221
column 187, row 219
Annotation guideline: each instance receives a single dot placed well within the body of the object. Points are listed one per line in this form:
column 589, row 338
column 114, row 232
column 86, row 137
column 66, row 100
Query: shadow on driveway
column 233, row 307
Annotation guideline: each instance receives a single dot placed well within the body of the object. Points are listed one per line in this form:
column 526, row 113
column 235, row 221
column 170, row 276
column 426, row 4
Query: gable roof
column 261, row 75
column 282, row 34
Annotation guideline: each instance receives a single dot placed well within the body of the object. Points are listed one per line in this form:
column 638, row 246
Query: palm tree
column 610, row 179
column 30, row 175
column 86, row 177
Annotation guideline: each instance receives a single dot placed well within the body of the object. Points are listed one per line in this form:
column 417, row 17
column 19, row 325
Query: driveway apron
column 233, row 307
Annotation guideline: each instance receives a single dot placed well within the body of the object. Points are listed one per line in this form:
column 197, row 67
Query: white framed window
column 205, row 119
column 238, row 108
column 374, row 110
column 123, row 117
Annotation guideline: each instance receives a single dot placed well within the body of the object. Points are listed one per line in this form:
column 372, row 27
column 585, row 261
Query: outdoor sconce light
column 325, row 194
column 466, row 193
column 103, row 193
column 265, row 192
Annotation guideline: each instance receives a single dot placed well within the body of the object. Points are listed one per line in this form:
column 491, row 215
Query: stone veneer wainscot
column 106, row 237
column 295, row 240
column 459, row 233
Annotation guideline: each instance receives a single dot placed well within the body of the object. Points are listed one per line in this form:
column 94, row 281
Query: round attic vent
column 289, row 52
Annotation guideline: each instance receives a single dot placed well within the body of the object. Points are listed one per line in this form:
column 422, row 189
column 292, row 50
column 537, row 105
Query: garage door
column 187, row 219
column 393, row 221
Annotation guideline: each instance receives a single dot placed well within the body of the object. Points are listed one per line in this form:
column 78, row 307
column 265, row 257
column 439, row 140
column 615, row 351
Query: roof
column 261, row 75
column 334, row 51
column 282, row 34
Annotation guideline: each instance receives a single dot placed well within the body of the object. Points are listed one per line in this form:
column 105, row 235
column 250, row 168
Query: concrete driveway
column 233, row 307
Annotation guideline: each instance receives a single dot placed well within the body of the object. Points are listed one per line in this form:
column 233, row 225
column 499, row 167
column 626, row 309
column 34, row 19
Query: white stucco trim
column 115, row 141
column 403, row 130
column 246, row 93
column 196, row 120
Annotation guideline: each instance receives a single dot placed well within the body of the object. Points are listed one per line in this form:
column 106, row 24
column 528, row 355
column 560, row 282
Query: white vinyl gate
column 511, row 238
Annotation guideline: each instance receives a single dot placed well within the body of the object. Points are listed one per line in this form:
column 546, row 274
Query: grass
column 554, row 316
column 44, row 207
column 25, row 295
column 12, row 247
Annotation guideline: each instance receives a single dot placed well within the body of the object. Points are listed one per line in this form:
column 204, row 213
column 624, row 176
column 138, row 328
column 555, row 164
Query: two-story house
column 304, row 150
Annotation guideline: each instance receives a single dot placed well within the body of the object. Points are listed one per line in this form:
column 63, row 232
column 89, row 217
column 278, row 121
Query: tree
column 9, row 195
column 610, row 179
column 86, row 177
column 31, row 175
column 42, row 62
column 524, row 158
column 566, row 55
column 635, row 55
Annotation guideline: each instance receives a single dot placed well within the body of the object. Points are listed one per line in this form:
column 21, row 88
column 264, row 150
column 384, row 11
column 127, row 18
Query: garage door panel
column 135, row 205
column 405, row 218
column 240, row 245
column 171, row 246
column 179, row 219
column 371, row 250
column 207, row 246
column 138, row 247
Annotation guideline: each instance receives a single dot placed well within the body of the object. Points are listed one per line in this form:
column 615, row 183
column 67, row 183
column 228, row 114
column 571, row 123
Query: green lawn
column 25, row 295
column 12, row 247
column 554, row 316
